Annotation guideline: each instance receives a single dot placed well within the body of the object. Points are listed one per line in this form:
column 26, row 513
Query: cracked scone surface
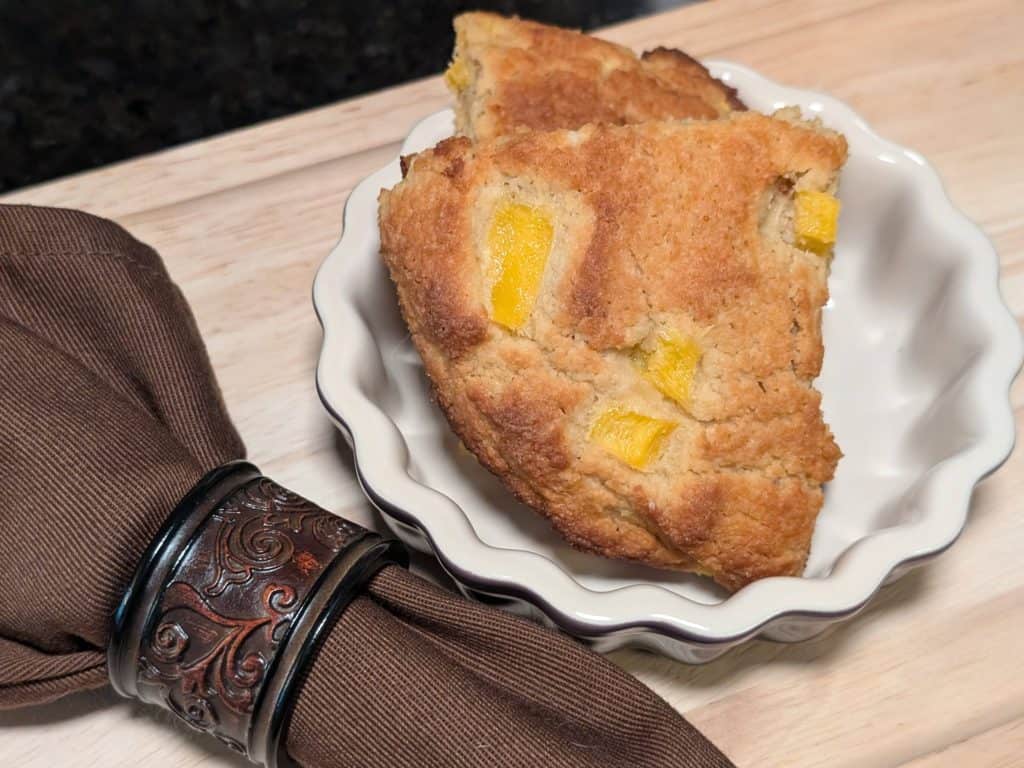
column 510, row 74
column 661, row 239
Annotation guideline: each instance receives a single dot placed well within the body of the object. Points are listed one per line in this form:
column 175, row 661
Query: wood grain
column 930, row 676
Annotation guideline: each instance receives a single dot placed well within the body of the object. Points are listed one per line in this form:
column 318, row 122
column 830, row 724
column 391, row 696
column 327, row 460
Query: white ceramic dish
column 920, row 353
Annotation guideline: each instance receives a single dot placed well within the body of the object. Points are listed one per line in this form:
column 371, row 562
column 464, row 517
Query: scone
column 511, row 74
column 623, row 324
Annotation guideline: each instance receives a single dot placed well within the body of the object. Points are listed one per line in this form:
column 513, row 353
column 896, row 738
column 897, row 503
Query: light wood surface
column 931, row 676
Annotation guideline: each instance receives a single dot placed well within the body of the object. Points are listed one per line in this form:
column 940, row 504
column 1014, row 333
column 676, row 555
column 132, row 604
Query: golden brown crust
column 685, row 74
column 524, row 75
column 659, row 226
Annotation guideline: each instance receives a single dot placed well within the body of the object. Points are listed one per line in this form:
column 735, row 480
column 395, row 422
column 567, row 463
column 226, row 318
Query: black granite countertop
column 84, row 84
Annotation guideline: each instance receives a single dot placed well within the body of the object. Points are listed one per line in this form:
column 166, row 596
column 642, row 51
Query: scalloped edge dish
column 643, row 614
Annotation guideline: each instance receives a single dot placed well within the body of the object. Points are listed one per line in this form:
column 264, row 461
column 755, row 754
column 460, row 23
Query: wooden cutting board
column 931, row 675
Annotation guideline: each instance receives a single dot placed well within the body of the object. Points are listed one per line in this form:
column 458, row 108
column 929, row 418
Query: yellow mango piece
column 672, row 365
column 457, row 75
column 518, row 243
column 816, row 219
column 630, row 436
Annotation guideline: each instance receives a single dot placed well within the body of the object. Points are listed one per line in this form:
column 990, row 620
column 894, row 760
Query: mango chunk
column 630, row 436
column 816, row 219
column 518, row 243
column 672, row 365
column 457, row 75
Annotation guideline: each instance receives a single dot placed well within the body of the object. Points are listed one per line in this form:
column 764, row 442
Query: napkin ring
column 229, row 602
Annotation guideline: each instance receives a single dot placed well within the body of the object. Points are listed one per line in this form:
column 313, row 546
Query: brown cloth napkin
column 109, row 413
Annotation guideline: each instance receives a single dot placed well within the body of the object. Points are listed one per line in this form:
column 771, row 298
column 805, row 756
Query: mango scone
column 623, row 323
column 510, row 74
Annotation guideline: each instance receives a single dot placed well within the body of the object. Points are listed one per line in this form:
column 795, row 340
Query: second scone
column 623, row 323
column 510, row 74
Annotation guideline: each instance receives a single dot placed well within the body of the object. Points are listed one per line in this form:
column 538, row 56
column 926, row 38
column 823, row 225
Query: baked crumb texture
column 649, row 389
column 509, row 74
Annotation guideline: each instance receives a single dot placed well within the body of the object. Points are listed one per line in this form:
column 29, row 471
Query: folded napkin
column 110, row 413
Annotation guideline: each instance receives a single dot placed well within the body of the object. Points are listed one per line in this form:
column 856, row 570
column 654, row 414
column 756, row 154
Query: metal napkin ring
column 228, row 605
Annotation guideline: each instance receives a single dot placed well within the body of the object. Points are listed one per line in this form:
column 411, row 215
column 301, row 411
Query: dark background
column 84, row 84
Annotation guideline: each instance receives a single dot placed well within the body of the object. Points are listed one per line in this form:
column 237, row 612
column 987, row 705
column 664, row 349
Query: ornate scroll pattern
column 230, row 602
column 250, row 544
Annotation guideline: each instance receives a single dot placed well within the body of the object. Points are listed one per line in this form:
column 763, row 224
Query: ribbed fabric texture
column 415, row 676
column 109, row 413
